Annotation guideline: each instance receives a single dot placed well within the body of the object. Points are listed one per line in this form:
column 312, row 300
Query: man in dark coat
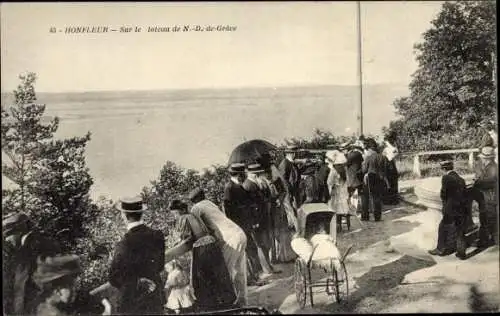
column 235, row 197
column 22, row 246
column 290, row 173
column 260, row 220
column 452, row 196
column 137, row 263
column 321, row 180
column 486, row 186
column 240, row 209
column 374, row 181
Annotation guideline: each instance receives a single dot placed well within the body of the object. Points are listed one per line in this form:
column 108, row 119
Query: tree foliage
column 176, row 182
column 453, row 88
column 50, row 180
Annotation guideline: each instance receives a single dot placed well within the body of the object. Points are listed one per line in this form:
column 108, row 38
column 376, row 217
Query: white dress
column 181, row 294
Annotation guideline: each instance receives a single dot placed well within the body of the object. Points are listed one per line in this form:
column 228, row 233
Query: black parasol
column 252, row 150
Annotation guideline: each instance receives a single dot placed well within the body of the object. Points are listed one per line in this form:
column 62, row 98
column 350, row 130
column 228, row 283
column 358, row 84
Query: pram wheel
column 341, row 283
column 300, row 282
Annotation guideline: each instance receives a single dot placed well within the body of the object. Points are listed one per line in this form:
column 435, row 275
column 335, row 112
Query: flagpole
column 359, row 72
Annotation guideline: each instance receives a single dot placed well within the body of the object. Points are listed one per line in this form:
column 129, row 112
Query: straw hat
column 237, row 168
column 255, row 168
column 131, row 205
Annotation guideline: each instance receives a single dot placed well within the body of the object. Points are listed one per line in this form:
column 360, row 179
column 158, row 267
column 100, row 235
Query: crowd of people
column 238, row 244
column 232, row 247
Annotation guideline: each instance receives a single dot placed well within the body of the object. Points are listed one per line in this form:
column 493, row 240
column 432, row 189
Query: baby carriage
column 316, row 249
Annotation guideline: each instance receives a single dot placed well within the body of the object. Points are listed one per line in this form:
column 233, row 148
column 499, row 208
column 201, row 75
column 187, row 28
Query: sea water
column 134, row 133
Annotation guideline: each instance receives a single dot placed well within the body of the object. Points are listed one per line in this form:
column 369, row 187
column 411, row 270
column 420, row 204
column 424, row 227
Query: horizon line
column 216, row 88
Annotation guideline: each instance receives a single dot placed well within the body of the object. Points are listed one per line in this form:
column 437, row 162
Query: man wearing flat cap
column 138, row 260
column 22, row 245
column 454, row 214
column 56, row 278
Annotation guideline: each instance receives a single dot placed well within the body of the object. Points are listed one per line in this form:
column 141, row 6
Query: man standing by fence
column 490, row 137
column 452, row 195
column 486, row 177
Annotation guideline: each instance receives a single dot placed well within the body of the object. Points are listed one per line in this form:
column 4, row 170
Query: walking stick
column 370, row 197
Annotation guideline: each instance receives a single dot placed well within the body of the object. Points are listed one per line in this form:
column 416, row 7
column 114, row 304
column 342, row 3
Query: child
column 320, row 249
column 325, row 249
column 178, row 292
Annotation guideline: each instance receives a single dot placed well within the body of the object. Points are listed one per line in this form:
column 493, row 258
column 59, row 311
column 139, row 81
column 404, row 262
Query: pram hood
column 310, row 215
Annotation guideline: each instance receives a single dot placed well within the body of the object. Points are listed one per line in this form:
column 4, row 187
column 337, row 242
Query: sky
column 274, row 44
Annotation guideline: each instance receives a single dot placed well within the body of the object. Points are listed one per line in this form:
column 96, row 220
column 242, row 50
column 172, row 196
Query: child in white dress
column 179, row 294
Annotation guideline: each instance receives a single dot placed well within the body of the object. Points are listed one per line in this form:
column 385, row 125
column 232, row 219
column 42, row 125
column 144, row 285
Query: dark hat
column 195, row 193
column 13, row 223
column 177, row 204
column 237, row 168
column 291, row 149
column 53, row 268
column 131, row 205
column 371, row 143
column 447, row 164
column 254, row 168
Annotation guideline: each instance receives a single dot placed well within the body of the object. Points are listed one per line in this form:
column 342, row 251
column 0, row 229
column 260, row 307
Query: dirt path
column 280, row 292
column 393, row 281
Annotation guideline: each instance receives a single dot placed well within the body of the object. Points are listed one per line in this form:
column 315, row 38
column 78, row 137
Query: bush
column 428, row 168
column 50, row 180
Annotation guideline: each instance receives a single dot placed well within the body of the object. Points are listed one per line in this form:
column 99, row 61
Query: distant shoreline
column 280, row 87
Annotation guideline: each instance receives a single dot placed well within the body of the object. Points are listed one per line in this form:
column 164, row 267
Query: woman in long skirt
column 283, row 221
column 210, row 277
column 391, row 194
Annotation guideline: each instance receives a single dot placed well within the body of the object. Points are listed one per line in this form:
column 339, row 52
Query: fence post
column 471, row 160
column 416, row 166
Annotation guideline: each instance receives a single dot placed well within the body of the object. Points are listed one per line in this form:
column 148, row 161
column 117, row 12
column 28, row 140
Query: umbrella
column 251, row 150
